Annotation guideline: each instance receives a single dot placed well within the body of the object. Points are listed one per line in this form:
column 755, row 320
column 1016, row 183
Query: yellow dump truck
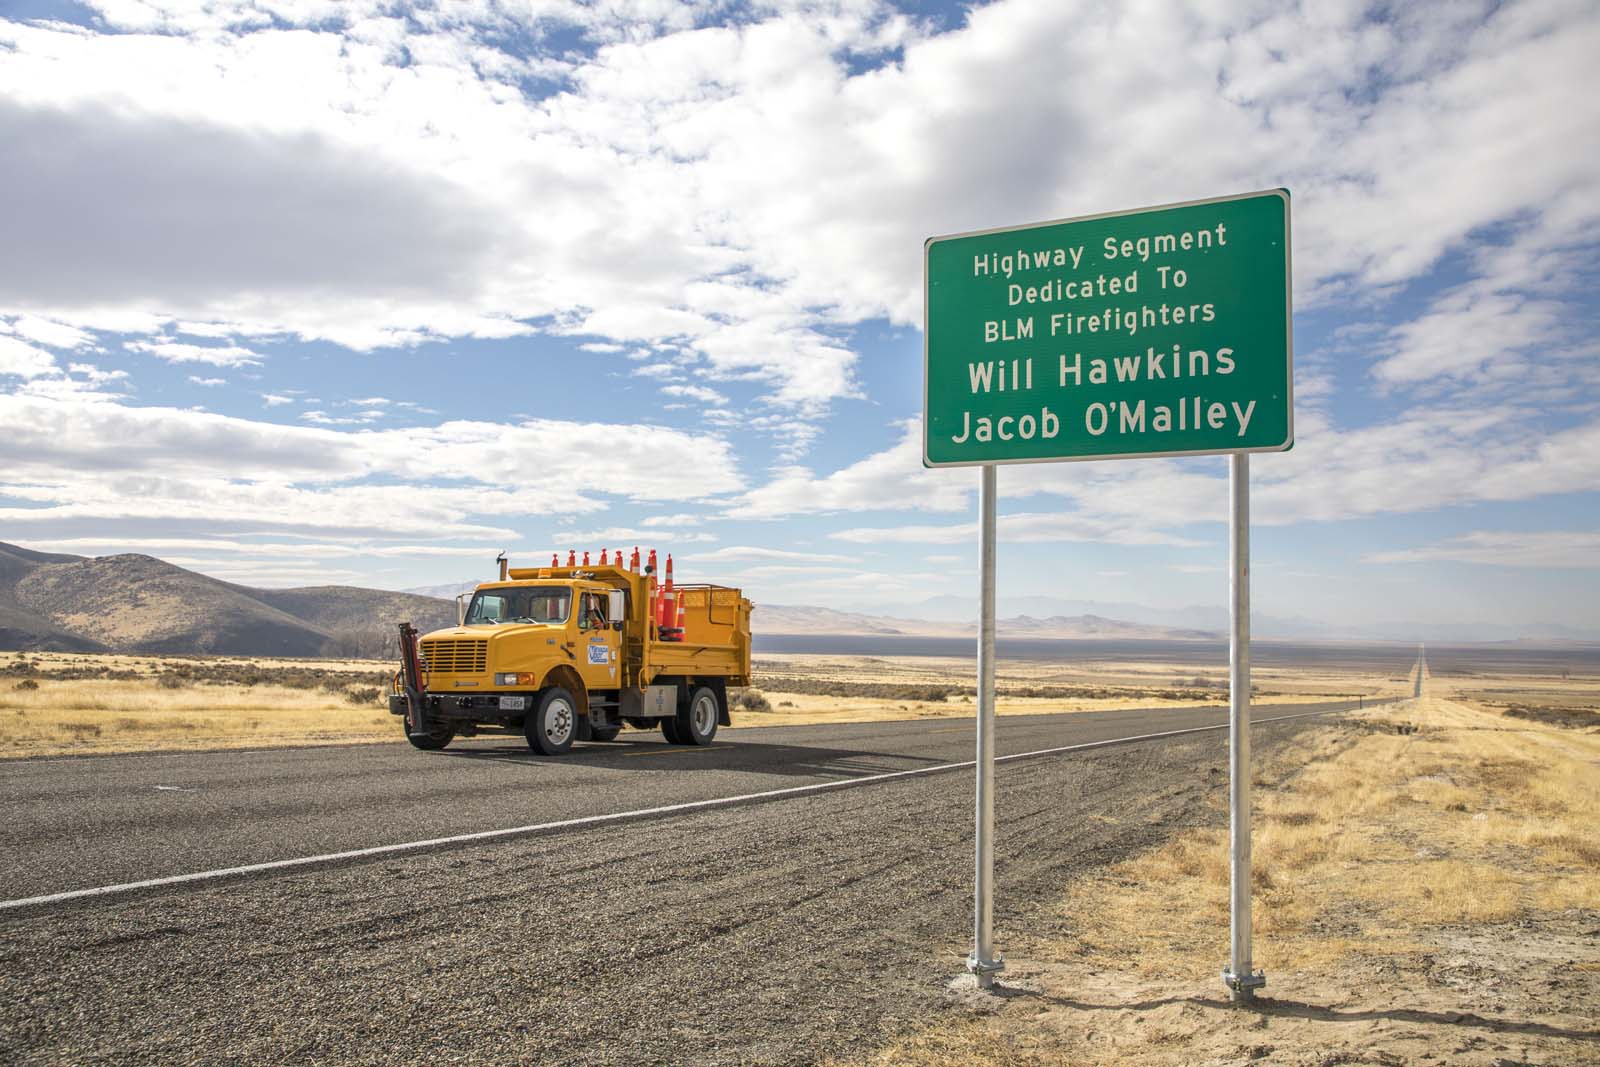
column 564, row 654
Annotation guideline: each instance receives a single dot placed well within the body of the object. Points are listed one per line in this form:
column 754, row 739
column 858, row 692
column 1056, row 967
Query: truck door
column 599, row 659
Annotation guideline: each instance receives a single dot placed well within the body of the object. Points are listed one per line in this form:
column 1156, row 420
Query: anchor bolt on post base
column 985, row 969
column 1243, row 985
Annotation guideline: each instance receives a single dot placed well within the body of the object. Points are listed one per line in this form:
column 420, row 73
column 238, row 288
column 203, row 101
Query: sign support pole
column 983, row 963
column 1240, row 976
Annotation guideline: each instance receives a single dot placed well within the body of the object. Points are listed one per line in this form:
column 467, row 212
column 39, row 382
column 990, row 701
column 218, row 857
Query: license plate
column 513, row 703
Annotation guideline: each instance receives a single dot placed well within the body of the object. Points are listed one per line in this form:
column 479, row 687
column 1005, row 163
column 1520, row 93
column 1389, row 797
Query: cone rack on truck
column 574, row 653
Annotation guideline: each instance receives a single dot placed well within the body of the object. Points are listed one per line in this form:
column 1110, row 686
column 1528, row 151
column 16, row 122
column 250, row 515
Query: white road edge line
column 595, row 820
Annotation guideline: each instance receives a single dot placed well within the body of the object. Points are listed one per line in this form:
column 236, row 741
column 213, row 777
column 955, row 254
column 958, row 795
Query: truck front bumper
column 469, row 706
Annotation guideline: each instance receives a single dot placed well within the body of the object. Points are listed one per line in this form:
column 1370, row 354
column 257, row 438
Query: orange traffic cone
column 555, row 560
column 572, row 558
column 586, row 559
column 602, row 557
column 633, row 563
column 669, row 609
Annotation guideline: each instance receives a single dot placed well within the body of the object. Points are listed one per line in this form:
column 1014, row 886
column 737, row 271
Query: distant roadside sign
column 1163, row 331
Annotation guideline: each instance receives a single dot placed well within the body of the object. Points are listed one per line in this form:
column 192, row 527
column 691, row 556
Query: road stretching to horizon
column 766, row 931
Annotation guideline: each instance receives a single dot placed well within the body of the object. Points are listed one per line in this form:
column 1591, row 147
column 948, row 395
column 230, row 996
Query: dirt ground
column 1427, row 891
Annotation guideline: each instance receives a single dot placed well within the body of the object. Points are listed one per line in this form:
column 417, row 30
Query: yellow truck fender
column 568, row 679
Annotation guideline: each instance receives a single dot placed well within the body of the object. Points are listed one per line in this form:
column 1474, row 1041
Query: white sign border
column 1281, row 193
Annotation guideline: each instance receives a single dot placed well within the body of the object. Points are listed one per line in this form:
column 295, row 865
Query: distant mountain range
column 135, row 603
column 792, row 619
column 1213, row 619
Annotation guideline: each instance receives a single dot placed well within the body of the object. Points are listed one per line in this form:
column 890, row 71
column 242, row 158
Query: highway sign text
column 1163, row 331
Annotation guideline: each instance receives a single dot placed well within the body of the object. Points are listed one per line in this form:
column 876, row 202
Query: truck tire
column 697, row 720
column 669, row 730
column 436, row 738
column 604, row 733
column 553, row 724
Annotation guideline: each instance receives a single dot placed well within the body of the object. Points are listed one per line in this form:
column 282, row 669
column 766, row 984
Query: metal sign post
column 983, row 961
column 1241, row 979
column 1165, row 331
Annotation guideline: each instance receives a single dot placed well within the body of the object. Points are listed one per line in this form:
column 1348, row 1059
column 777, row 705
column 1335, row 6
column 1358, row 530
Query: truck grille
column 456, row 657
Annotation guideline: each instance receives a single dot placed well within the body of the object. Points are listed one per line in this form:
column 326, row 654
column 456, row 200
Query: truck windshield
column 492, row 607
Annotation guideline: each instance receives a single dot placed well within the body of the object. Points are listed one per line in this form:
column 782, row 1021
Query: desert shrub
column 172, row 680
column 786, row 704
column 26, row 685
column 81, row 729
column 363, row 696
column 882, row 690
column 753, row 700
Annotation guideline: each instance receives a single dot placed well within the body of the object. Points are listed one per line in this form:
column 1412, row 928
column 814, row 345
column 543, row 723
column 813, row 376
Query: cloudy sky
column 301, row 292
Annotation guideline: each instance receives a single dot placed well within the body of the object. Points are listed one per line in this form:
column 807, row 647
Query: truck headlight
column 513, row 679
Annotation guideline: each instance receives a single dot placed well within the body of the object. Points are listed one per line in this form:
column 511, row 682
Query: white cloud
column 24, row 360
column 696, row 392
column 1556, row 548
column 1023, row 527
column 179, row 352
column 322, row 418
column 95, row 375
column 273, row 400
column 233, row 549
column 209, row 383
column 638, row 206
column 81, row 462
column 888, row 480
column 754, row 552
column 54, row 334
column 1428, row 458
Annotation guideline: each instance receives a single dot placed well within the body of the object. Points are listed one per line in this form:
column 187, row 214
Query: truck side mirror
column 617, row 625
column 616, row 608
column 461, row 609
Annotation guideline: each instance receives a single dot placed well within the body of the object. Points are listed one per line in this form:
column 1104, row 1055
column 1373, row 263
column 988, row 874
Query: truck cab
column 565, row 654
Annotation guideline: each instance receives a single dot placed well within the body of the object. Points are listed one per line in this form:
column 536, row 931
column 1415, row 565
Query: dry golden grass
column 134, row 711
column 1421, row 828
column 1118, row 686
column 121, row 716
column 47, row 715
column 1372, row 835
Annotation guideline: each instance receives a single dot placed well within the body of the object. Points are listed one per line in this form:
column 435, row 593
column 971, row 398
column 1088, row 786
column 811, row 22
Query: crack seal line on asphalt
column 595, row 820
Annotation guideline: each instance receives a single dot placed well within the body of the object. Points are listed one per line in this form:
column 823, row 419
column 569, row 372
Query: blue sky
column 304, row 293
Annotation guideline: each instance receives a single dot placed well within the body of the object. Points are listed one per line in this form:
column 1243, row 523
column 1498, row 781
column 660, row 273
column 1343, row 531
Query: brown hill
column 136, row 603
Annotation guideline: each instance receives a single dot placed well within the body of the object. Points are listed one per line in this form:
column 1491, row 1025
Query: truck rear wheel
column 669, row 730
column 436, row 738
column 697, row 721
column 604, row 733
column 553, row 724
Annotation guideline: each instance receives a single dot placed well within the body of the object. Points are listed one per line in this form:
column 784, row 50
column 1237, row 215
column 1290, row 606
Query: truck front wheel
column 553, row 724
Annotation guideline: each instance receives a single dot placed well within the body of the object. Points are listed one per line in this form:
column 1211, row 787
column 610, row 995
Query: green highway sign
column 1158, row 332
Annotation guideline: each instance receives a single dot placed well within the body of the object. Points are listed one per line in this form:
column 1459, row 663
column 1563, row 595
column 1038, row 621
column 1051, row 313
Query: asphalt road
column 107, row 820
column 774, row 932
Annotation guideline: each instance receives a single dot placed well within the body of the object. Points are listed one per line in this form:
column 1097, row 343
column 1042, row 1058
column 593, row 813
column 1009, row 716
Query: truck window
column 549, row 605
column 592, row 612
